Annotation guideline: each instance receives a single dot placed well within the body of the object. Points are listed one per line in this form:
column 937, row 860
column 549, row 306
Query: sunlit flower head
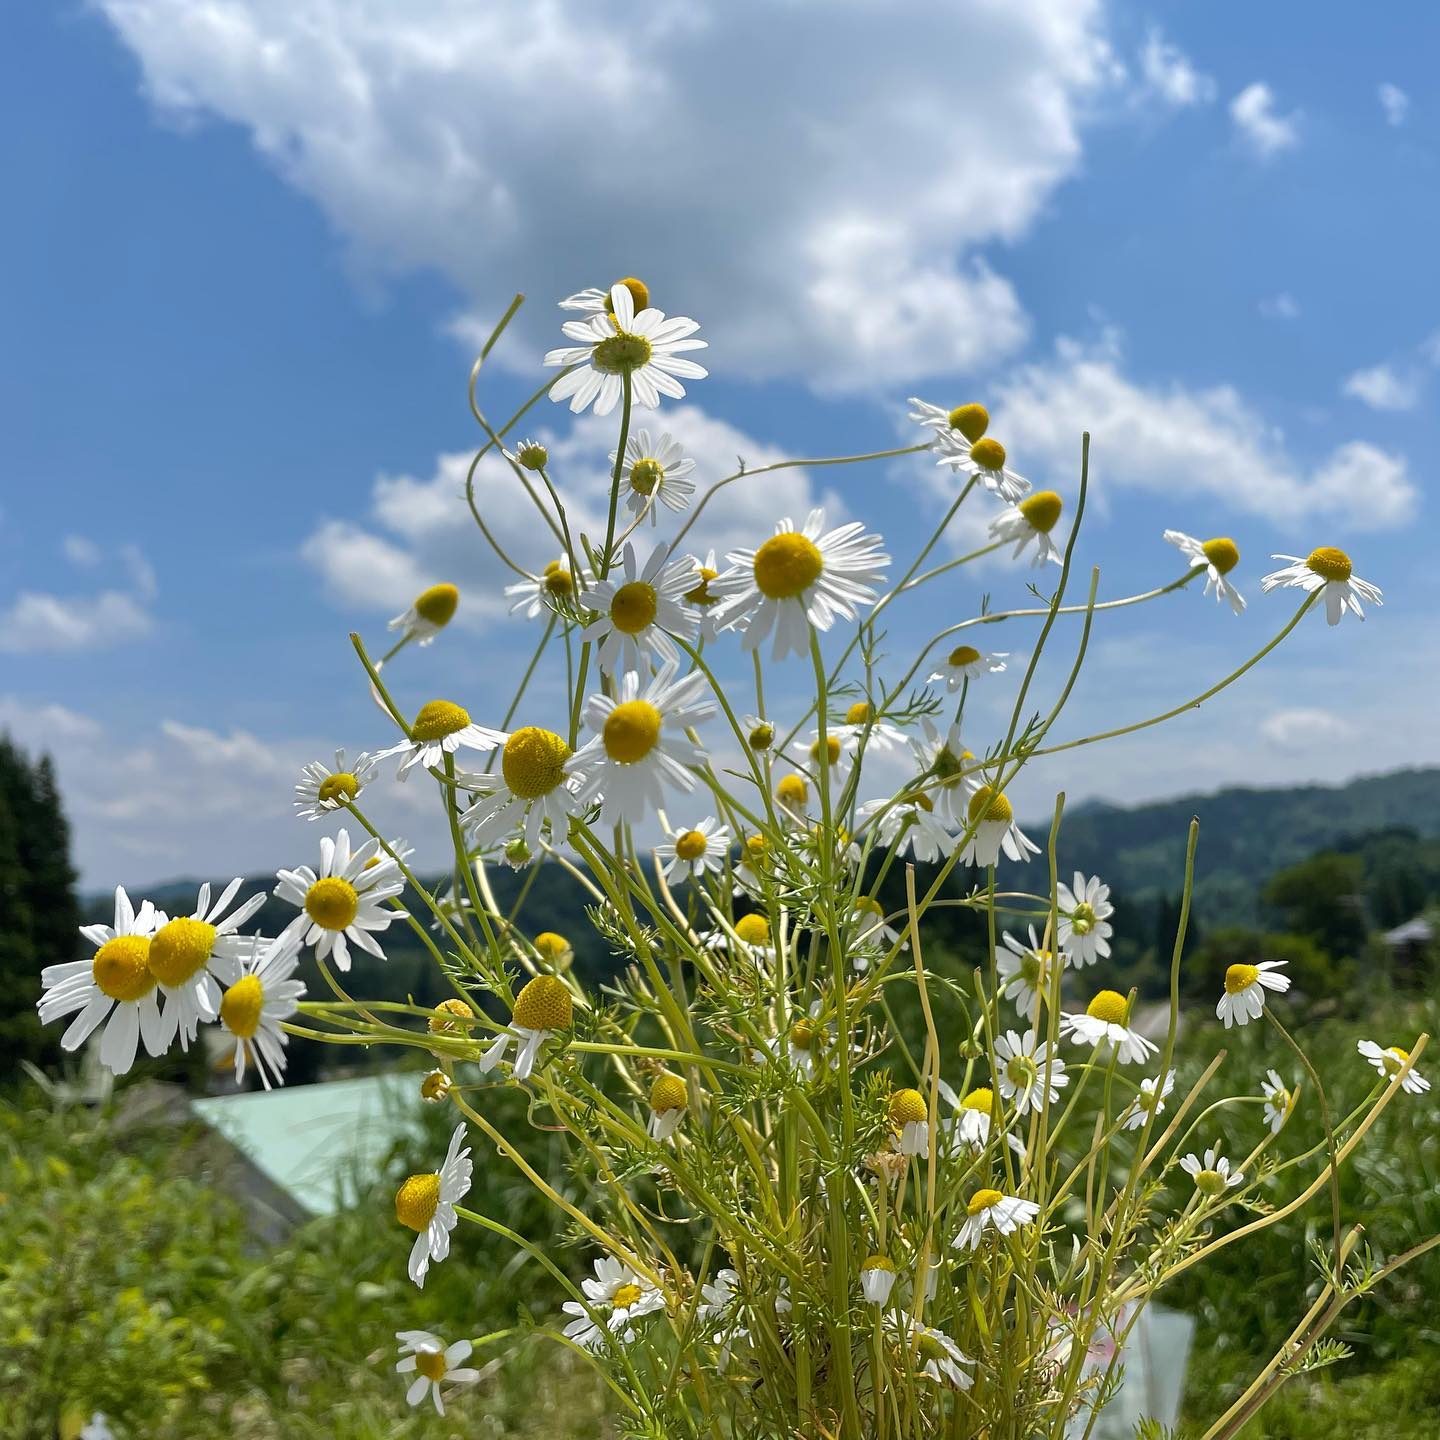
column 909, row 822
column 942, row 760
column 625, row 341
column 1030, row 522
column 430, row 612
column 594, row 301
column 1245, row 987
column 871, row 932
column 530, row 455
column 1025, row 1070
column 965, row 662
column 1149, row 1100
column 985, row 459
column 860, row 725
column 995, row 830
column 322, row 790
column 802, row 1044
column 654, row 474
column 617, row 1297
column 1026, row 971
column 1279, row 1100
column 991, row 1210
column 1327, row 570
column 1084, row 929
column 543, row 1009
column 530, row 788
column 426, row 1204
column 346, row 901
column 440, row 728
column 1105, row 1023
column 1389, row 1062
column 1212, row 1175
column 433, row 1363
column 639, row 609
column 695, row 851
column 254, row 1007
column 759, row 733
column 877, row 1279
column 707, row 590
column 909, row 1117
column 751, row 938
column 969, row 421
column 669, row 1098
column 1219, row 557
column 553, row 591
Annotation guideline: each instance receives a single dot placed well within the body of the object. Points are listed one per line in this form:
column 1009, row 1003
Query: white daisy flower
column 252, row 1008
column 547, row 593
column 995, row 830
column 322, row 790
column 877, row 1280
column 431, row 611
column 618, row 1296
column 529, row 455
column 1389, row 1061
column 909, row 822
column 645, row 346
column 705, row 593
column 1219, row 557
column 426, row 1205
column 972, row 421
column 860, row 724
column 344, row 902
column 1026, row 1070
column 669, row 1097
column 974, row 1115
column 872, row 933
column 640, row 744
column 934, row 1353
column 751, row 939
column 593, row 301
column 965, row 662
column 984, row 458
column 655, row 473
column 1025, row 971
column 531, row 787
column 1245, row 987
column 759, row 733
column 910, row 1122
column 441, row 727
column 432, row 1362
column 638, row 610
column 941, row 760
column 1326, row 569
column 1031, row 520
column 792, row 796
column 1085, row 909
column 1103, row 1023
column 543, row 1009
column 799, row 578
column 1278, row 1100
column 990, row 1210
column 1150, row 1100
column 115, row 985
column 189, row 954
column 699, row 850
column 1212, row 1175
column 719, row 1294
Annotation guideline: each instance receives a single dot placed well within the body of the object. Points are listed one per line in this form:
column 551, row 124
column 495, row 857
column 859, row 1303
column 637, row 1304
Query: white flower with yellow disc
column 594, row 301
column 965, row 663
column 1030, row 522
column 1025, row 1070
column 1245, row 987
column 984, row 459
column 669, row 1098
column 543, row 1009
column 1218, row 557
column 995, row 830
column 426, row 1204
column 1084, row 930
column 433, row 1363
column 695, row 851
column 550, row 592
column 1105, row 1023
column 440, row 728
column 991, row 1210
column 860, row 725
column 431, row 611
column 1026, row 971
column 1279, row 1100
column 1328, row 570
column 345, row 902
column 1212, row 1175
column 617, row 1296
column 934, row 1354
column 1149, row 1100
column 877, row 1279
column 322, row 790
column 909, row 1122
column 252, row 1009
column 909, row 822
column 654, row 474
column 638, row 610
column 942, row 761
column 1389, row 1063
column 532, row 787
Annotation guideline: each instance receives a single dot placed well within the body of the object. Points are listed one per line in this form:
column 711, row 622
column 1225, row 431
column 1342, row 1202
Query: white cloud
column 814, row 182
column 1283, row 306
column 39, row 726
column 1300, row 728
column 1382, row 387
column 81, row 551
column 1169, row 74
column 40, row 621
column 1395, row 103
column 1264, row 130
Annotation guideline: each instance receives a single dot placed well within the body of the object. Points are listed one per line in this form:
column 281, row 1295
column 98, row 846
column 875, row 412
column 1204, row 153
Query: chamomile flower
column 669, row 1097
column 1026, row 971
column 718, row 1297
column 97, row 1428
column 554, row 949
column 799, row 578
column 910, row 1122
column 1085, row 910
column 707, row 589
column 909, row 823
column 1025, row 1070
column 433, row 1363
column 618, row 1296
column 593, row 301
column 431, row 611
column 990, row 1210
column 995, row 830
column 1389, row 1062
column 426, row 1204
column 984, row 459
column 189, row 954
column 974, row 1113
column 322, row 790
column 640, row 745
column 436, row 1087
column 533, row 786
column 1104, row 1023
column 637, row 610
column 345, row 902
column 861, row 725
column 547, row 593
column 695, row 851
column 529, row 455
column 440, row 728
column 872, row 934
column 654, row 472
column 751, row 938
column 792, row 796
column 252, row 1008
column 543, row 1008
column 1031, row 521
column 942, row 760
column 965, row 662
column 642, row 345
column 759, row 733
column 1149, row 1099
column 877, row 1279
column 1219, row 557
column 934, row 1354
column 972, row 420
column 1278, row 1100
column 1245, row 987
column 116, row 985
column 1326, row 569
column 1212, row 1175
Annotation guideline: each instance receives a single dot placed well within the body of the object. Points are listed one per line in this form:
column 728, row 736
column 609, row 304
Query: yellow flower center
column 240, row 1006
column 120, row 967
column 544, row 1004
column 792, row 791
column 336, row 789
column 1222, row 553
column 331, row 903
column 930, row 1347
column 907, row 1107
column 1034, row 967
column 437, row 604
column 552, row 946
column 832, row 750
column 803, row 1035
column 787, row 565
column 533, row 456
column 1210, row 1182
column 557, row 580
column 753, row 929
column 451, row 1016
column 983, row 1200
column 180, row 949
column 701, row 595
column 1393, row 1058
column 632, row 730
column 639, row 293
column 919, row 800
column 431, row 1364
column 755, row 847
column 633, row 607
column 417, row 1200
column 625, row 1296
column 988, row 454
column 533, row 762
column 868, row 905
column 761, row 737
column 1042, row 510
column 645, row 475
column 1082, row 918
column 990, row 807
column 437, row 719
column 691, row 845
column 1240, row 977
column 1109, row 1006
column 964, row 655
column 982, row 1099
column 669, row 1092
column 620, row 353
column 972, row 421
column 857, row 714
column 435, row 1086
column 1330, row 563
column 878, row 1262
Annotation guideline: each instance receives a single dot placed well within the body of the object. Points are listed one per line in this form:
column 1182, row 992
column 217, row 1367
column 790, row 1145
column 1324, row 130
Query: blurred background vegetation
column 134, row 1282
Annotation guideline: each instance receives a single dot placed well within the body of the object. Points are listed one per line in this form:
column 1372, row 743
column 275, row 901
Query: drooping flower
column 431, row 611
column 1326, row 569
column 965, row 662
column 426, row 1204
column 995, row 830
column 942, row 761
column 1104, row 1023
column 1030, row 522
column 1219, row 557
column 638, row 610
column 618, row 1296
column 669, row 1098
column 1389, row 1063
column 1212, row 1175
column 543, row 1009
column 971, row 420
column 253, row 1008
column 909, row 823
column 1245, row 987
column 322, row 790
column 992, row 1210
column 433, row 1363
column 346, row 901
column 1149, row 1100
column 910, row 1121
column 654, row 472
column 862, row 726
column 1084, row 930
column 877, row 1279
column 695, row 851
column 440, row 728
column 983, row 458
column 933, row 1353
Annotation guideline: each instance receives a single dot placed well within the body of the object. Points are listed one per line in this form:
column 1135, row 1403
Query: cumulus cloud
column 820, row 198
column 1259, row 124
column 1301, row 729
column 1395, row 103
column 1382, row 387
column 1169, row 74
column 38, row 621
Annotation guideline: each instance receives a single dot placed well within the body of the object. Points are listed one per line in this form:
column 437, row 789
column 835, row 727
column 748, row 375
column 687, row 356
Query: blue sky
column 248, row 244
